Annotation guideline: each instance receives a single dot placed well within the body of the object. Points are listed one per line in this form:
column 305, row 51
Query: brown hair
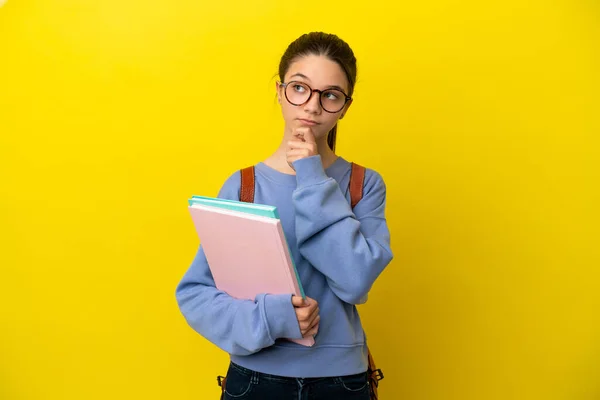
column 322, row 44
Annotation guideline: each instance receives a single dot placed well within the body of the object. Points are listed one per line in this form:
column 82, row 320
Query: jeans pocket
column 239, row 383
column 355, row 383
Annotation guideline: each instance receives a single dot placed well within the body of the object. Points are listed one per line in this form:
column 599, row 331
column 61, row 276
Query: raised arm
column 351, row 248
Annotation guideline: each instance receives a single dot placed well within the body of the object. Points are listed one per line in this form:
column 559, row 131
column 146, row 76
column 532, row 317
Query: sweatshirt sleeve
column 240, row 327
column 351, row 248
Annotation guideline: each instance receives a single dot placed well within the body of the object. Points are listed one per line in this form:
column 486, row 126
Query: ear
column 277, row 89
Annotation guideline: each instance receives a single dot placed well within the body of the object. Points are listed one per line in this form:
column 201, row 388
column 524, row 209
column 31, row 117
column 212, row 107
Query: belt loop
column 254, row 378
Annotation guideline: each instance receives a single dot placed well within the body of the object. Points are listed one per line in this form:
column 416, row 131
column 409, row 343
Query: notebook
column 251, row 208
column 246, row 249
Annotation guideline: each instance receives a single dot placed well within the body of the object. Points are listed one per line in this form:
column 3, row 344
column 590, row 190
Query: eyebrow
column 298, row 74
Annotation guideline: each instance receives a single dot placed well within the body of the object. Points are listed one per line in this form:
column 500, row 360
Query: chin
column 321, row 133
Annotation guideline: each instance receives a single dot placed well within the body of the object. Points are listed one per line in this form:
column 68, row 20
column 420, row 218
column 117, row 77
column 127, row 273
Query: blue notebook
column 251, row 208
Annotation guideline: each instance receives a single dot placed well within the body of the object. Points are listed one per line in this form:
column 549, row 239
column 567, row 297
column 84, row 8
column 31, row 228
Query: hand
column 303, row 145
column 307, row 313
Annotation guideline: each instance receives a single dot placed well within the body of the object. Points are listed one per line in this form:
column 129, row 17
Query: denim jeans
column 244, row 384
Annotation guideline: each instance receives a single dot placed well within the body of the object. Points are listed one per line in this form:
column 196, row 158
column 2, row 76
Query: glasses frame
column 286, row 84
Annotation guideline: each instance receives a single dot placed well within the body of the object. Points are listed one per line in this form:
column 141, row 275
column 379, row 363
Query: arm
column 351, row 248
column 240, row 327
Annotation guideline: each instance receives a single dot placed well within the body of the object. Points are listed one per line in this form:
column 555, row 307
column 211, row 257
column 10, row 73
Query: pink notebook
column 247, row 254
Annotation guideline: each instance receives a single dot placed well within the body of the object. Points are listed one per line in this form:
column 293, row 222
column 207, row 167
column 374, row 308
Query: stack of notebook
column 246, row 249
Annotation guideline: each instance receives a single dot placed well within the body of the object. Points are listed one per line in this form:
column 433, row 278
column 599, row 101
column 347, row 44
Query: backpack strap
column 357, row 180
column 374, row 375
column 247, row 186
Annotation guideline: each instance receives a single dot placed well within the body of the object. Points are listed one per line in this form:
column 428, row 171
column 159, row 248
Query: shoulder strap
column 357, row 179
column 247, row 186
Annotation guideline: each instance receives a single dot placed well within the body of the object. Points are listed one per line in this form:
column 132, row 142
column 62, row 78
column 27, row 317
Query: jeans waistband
column 262, row 375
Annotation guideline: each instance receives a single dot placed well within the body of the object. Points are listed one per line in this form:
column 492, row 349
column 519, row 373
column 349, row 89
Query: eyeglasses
column 299, row 93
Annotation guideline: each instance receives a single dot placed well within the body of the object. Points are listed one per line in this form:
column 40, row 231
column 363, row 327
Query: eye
column 299, row 88
column 331, row 95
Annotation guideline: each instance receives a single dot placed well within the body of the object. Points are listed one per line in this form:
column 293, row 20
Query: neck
column 278, row 160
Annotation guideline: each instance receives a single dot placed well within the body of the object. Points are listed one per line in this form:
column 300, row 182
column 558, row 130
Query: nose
column 313, row 105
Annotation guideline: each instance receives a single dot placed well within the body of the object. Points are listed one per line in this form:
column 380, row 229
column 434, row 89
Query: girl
column 338, row 250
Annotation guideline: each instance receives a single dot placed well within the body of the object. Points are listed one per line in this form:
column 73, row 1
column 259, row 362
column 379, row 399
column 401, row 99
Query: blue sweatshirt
column 338, row 251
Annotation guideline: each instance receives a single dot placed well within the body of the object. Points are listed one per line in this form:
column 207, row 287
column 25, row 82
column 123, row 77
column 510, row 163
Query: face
column 318, row 72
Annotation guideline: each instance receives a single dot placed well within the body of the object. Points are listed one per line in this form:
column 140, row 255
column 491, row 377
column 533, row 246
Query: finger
column 306, row 331
column 298, row 301
column 305, row 325
column 314, row 322
column 304, row 131
column 306, row 314
column 300, row 152
column 313, row 313
column 295, row 144
column 297, row 153
column 311, row 332
column 312, row 302
column 299, row 137
column 309, row 149
column 303, row 329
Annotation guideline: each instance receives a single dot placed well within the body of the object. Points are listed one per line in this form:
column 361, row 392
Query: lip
column 308, row 122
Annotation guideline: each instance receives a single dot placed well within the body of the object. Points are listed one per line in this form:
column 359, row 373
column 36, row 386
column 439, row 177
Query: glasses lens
column 333, row 100
column 297, row 93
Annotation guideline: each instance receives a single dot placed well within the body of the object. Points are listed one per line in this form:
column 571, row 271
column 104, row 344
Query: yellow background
column 481, row 116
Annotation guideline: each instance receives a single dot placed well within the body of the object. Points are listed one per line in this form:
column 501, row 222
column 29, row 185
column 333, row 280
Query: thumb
column 298, row 301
